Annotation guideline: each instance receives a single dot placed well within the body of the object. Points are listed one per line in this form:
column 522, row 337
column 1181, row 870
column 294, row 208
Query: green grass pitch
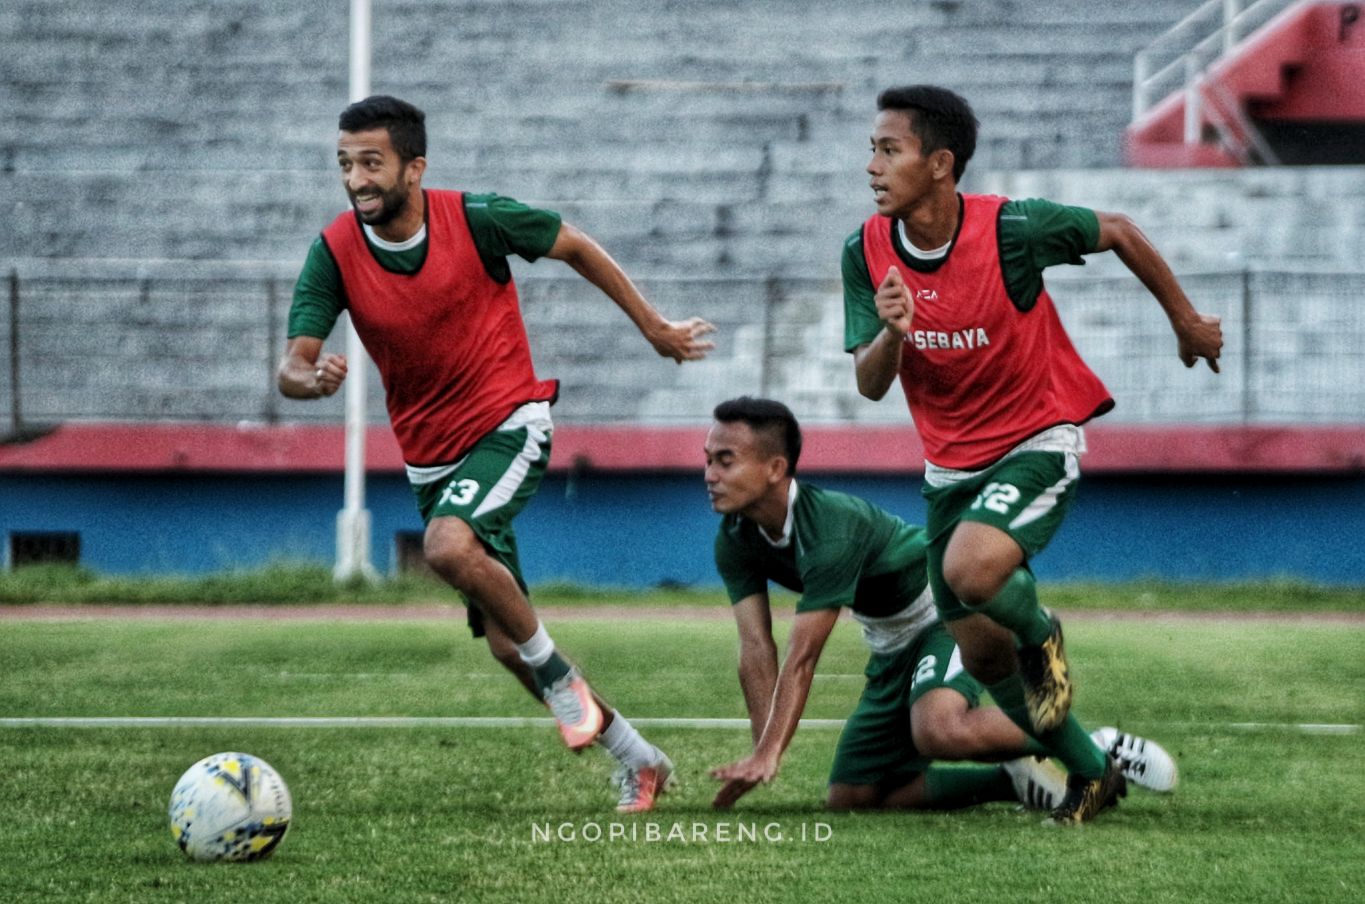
column 1264, row 813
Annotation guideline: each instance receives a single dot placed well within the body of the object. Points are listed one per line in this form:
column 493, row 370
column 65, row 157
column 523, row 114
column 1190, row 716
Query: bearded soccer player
column 919, row 705
column 424, row 275
column 945, row 291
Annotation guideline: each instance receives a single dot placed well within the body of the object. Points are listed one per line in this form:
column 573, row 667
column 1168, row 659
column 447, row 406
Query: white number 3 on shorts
column 460, row 492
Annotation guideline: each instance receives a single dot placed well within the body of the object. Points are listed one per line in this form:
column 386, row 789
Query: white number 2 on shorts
column 998, row 497
column 925, row 672
column 460, row 492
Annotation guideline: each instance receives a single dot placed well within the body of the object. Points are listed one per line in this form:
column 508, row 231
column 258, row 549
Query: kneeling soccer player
column 919, row 704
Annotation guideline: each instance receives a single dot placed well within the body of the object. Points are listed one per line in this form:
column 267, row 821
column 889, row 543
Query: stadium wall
column 166, row 168
column 1179, row 504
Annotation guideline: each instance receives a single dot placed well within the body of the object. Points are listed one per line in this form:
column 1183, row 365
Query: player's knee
column 974, row 579
column 942, row 739
column 852, row 797
column 978, row 562
column 452, row 550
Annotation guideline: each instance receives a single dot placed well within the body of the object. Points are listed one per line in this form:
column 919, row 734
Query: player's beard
column 394, row 201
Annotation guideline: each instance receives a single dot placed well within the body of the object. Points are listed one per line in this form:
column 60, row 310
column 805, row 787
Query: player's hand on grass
column 328, row 374
column 740, row 778
column 682, row 340
column 1201, row 337
column 894, row 305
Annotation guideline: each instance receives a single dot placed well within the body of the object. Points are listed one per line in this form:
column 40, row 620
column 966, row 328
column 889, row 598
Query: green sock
column 550, row 671
column 1016, row 607
column 1068, row 743
column 955, row 787
column 1009, row 696
column 1072, row 744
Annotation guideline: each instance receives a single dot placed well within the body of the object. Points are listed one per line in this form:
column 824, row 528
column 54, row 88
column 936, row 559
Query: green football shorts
column 488, row 488
column 877, row 746
column 1026, row 495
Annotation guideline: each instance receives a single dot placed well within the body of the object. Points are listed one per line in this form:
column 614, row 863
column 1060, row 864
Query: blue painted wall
column 640, row 530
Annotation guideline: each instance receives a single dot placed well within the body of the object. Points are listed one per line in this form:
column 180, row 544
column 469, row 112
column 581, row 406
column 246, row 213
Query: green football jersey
column 1034, row 234
column 840, row 551
column 499, row 226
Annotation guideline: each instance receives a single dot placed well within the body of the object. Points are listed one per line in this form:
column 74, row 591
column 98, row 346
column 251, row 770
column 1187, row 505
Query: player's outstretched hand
column 741, row 778
column 328, row 374
column 894, row 305
column 682, row 340
column 1200, row 338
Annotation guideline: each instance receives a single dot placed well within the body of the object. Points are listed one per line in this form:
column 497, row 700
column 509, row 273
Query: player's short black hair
column 770, row 418
column 407, row 125
column 939, row 118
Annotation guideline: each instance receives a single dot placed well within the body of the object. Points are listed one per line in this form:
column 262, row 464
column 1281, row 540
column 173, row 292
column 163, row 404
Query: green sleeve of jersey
column 1036, row 234
column 502, row 226
column 318, row 297
column 742, row 575
column 829, row 576
column 861, row 323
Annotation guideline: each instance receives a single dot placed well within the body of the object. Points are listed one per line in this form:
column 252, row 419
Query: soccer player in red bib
column 425, row 278
column 945, row 291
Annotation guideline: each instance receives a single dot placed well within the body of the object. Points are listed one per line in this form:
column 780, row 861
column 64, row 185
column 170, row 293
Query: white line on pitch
column 1305, row 727
column 516, row 722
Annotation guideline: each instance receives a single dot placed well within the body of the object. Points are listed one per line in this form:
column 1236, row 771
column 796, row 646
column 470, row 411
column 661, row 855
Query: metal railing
column 201, row 344
column 1180, row 57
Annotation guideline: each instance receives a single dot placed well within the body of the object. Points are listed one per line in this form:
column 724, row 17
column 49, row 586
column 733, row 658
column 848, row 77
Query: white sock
column 626, row 745
column 537, row 649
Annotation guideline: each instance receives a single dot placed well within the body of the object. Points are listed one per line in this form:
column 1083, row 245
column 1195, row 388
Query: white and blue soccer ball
column 230, row 806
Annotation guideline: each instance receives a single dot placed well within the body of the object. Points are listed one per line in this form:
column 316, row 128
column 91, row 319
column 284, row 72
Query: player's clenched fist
column 1200, row 338
column 894, row 304
column 328, row 374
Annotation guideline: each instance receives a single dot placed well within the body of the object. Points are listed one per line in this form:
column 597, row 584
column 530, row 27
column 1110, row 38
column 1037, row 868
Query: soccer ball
column 230, row 806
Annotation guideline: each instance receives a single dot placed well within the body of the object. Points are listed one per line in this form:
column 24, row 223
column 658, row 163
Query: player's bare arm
column 680, row 340
column 1197, row 335
column 757, row 659
column 877, row 363
column 306, row 373
column 809, row 633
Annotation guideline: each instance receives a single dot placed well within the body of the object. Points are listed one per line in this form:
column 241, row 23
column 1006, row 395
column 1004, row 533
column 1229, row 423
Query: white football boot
column 1144, row 762
column 1038, row 784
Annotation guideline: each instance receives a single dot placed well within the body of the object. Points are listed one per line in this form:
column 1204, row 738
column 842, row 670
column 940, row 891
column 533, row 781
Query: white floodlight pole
column 353, row 521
